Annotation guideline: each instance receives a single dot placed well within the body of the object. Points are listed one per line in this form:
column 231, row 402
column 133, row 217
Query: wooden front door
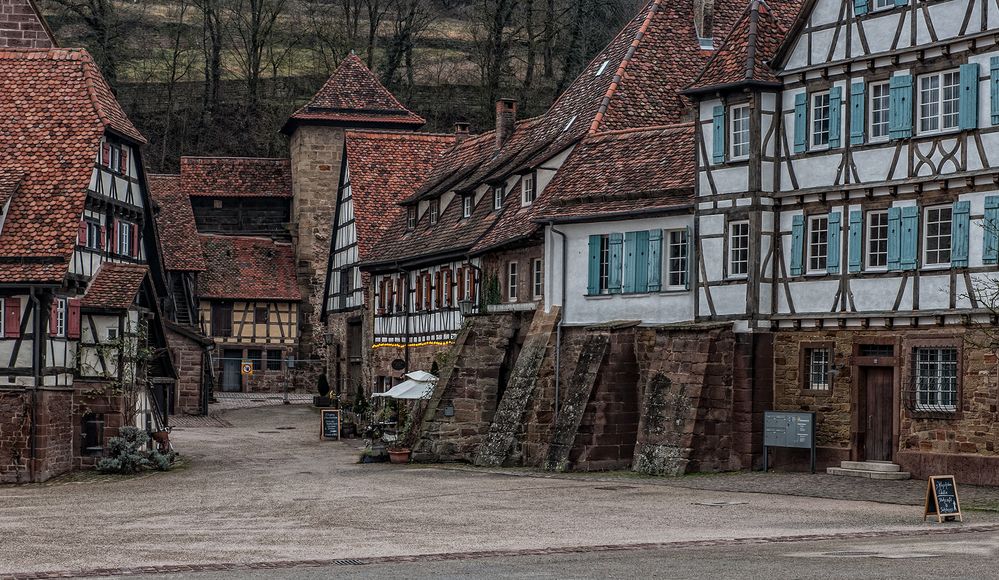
column 879, row 439
column 232, row 379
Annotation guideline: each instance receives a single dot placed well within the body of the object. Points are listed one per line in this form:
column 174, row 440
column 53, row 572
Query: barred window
column 936, row 379
column 817, row 361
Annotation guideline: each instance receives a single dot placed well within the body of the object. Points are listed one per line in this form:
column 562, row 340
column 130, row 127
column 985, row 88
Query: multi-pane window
column 938, row 235
column 740, row 131
column 676, row 259
column 877, row 239
column 92, row 237
column 936, row 379
column 274, row 360
column 738, row 249
column 817, row 363
column 538, row 277
column 528, row 194
column 939, row 101
column 256, row 357
column 604, row 277
column 222, row 319
column 883, row 4
column 820, row 120
column 124, row 238
column 511, row 281
column 879, row 110
column 466, row 206
column 435, row 211
column 60, row 317
column 497, row 197
column 261, row 315
column 818, row 243
column 411, row 218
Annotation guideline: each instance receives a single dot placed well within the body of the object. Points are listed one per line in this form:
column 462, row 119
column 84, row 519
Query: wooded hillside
column 219, row 77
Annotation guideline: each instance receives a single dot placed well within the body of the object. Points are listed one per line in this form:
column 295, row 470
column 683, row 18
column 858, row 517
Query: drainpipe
column 405, row 347
column 36, row 371
column 561, row 321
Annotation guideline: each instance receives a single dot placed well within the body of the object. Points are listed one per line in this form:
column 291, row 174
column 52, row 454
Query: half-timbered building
column 76, row 224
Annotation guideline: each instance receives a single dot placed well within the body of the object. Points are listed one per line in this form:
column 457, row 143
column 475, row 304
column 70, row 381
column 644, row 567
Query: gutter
column 605, row 217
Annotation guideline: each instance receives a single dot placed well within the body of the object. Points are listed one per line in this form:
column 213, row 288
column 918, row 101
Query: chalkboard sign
column 330, row 424
column 941, row 498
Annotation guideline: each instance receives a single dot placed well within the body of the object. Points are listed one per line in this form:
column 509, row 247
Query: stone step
column 887, row 466
column 893, row 475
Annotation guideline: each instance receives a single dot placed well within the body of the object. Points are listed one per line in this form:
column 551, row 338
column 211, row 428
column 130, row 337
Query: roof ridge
column 653, row 9
column 647, row 129
column 400, row 134
column 232, row 158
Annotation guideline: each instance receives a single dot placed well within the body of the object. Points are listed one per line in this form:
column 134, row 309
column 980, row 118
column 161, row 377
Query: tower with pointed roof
column 352, row 98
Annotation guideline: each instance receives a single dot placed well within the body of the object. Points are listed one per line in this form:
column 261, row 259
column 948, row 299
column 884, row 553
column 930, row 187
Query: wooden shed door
column 879, row 439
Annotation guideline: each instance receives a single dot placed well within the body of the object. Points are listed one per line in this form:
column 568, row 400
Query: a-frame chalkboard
column 941, row 498
column 330, row 425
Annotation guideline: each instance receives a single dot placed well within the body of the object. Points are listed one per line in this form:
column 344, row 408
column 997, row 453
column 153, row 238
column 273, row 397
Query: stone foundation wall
column 15, row 421
column 188, row 357
column 54, row 435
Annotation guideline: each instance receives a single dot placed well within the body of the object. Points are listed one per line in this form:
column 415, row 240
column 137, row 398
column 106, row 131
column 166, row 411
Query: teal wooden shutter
column 797, row 241
column 834, row 242
column 655, row 260
column 858, row 104
column 630, row 257
column 894, row 238
column 642, row 261
column 968, row 101
column 856, row 239
column 900, row 107
column 990, row 245
column 593, row 277
column 961, row 216
column 859, row 7
column 691, row 248
column 800, row 122
column 718, row 140
column 994, row 87
column 835, row 116
column 910, row 237
column 614, row 266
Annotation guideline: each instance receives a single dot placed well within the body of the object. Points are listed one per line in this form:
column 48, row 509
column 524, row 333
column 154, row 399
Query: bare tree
column 253, row 29
column 411, row 18
column 103, row 22
column 213, row 35
column 178, row 60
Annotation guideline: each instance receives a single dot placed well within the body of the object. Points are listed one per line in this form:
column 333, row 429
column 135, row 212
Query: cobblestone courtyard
column 265, row 491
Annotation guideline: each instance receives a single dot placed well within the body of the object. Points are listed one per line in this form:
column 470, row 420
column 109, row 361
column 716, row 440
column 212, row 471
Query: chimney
column 703, row 20
column 506, row 119
column 461, row 131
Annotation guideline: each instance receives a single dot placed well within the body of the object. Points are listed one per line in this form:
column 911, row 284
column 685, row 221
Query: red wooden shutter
column 135, row 240
column 104, row 236
column 473, row 287
column 106, row 154
column 12, row 318
column 114, row 236
column 123, row 161
column 53, row 313
column 419, row 292
column 400, row 301
column 83, row 232
column 73, row 319
column 461, row 284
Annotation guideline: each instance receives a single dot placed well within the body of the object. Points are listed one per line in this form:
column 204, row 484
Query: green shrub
column 127, row 454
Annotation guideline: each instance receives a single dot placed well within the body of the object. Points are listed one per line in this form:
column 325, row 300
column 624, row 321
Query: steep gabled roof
column 54, row 111
column 235, row 177
column 745, row 55
column 115, row 286
column 23, row 26
column 248, row 268
column 385, row 168
column 175, row 223
column 624, row 171
column 353, row 97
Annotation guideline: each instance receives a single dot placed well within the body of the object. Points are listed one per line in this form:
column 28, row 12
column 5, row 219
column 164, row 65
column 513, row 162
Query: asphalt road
column 968, row 555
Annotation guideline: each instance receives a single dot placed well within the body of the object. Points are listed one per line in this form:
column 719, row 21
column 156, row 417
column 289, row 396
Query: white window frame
column 538, row 278
column 434, row 210
column 938, row 116
column 677, row 246
column 817, row 366
column 93, row 234
column 603, row 68
column 944, row 238
column 124, row 247
column 60, row 313
column 930, row 379
column 528, row 193
column 732, row 249
column 467, row 205
column 497, row 197
column 813, row 246
column 813, row 109
column 869, row 240
column 603, row 274
column 881, row 113
column 879, row 5
column 511, row 281
column 738, row 132
column 411, row 218
column 112, row 333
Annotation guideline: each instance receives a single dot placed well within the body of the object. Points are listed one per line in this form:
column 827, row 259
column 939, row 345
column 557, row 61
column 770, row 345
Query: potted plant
column 323, row 400
column 401, row 451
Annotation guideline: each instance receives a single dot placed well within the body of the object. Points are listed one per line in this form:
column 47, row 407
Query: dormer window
column 706, row 43
column 411, row 218
column 435, row 211
column 603, row 68
column 467, row 203
column 569, row 124
column 528, row 193
column 497, row 197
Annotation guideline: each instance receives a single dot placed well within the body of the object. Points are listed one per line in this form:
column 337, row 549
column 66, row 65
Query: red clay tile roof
column 623, row 171
column 22, row 26
column 235, row 177
column 54, row 110
column 114, row 287
column 746, row 53
column 176, row 225
column 353, row 96
column 385, row 168
column 248, row 268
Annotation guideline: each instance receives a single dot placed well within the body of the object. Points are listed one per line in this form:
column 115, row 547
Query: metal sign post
column 794, row 430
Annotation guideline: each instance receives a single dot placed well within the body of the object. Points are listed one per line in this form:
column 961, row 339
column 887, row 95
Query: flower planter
column 399, row 456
